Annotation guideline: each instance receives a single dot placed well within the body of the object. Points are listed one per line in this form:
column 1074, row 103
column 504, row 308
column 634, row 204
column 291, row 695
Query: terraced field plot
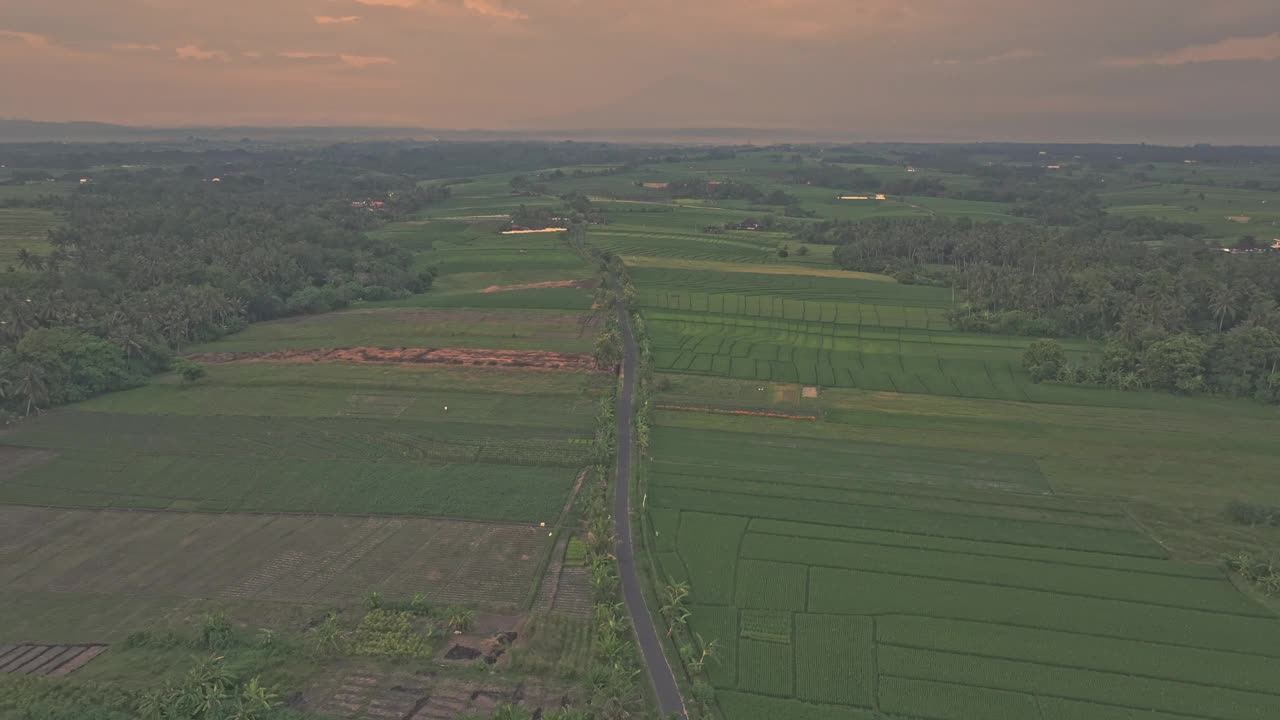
column 894, row 561
column 348, row 439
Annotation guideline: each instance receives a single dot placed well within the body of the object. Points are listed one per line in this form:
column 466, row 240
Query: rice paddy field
column 23, row 229
column 1227, row 213
column 878, row 554
column 498, row 328
column 317, row 439
column 879, row 516
column 831, row 329
column 924, row 533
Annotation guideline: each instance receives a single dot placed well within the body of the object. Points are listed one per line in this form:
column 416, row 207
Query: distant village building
column 656, row 185
column 910, row 169
column 1275, row 247
column 1052, row 167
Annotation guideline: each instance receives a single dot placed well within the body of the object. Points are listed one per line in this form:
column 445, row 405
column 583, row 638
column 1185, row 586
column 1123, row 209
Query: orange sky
column 1160, row 70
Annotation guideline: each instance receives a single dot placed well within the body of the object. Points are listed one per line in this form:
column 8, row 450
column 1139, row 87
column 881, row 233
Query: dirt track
column 531, row 359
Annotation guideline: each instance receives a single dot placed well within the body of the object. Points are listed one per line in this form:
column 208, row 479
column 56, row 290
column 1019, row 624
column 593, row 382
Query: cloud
column 332, row 20
column 1018, row 54
column 195, row 52
column 389, row 3
column 33, row 47
column 1264, row 48
column 355, row 61
column 24, row 38
column 135, row 47
column 488, row 8
column 361, row 61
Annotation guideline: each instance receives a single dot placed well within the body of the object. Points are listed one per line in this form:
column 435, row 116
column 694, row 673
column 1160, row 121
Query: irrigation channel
column 662, row 679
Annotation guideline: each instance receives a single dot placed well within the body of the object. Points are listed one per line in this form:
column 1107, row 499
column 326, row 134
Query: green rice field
column 24, row 229
column 1227, row 213
column 474, row 326
column 960, row 558
column 460, row 442
column 829, row 331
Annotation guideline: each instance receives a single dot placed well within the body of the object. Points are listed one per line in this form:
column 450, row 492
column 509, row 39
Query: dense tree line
column 577, row 209
column 1176, row 314
column 150, row 261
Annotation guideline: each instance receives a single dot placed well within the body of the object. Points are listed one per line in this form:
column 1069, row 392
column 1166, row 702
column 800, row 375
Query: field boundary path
column 661, row 678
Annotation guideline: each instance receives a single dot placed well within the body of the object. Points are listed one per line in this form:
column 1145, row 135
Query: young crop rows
column 843, row 578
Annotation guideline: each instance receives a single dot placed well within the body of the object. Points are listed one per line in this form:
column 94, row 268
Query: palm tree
column 28, row 260
column 1223, row 302
column 32, row 386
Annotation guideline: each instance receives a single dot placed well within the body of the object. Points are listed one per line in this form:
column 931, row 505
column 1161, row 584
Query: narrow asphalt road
column 661, row 677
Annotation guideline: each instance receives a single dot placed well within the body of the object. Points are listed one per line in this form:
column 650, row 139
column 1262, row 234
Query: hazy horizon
column 1159, row 71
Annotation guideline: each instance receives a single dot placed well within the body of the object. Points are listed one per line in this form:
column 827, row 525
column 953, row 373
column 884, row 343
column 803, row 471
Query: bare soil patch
column 809, row 392
column 528, row 232
column 538, row 285
column 15, row 461
column 530, row 359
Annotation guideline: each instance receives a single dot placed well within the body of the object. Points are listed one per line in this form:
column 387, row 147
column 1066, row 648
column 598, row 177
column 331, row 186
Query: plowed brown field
column 538, row 285
column 532, row 359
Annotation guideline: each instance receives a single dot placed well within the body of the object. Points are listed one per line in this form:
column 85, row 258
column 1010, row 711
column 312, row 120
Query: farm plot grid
column 843, row 577
column 833, row 332
column 870, row 357
column 285, row 558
